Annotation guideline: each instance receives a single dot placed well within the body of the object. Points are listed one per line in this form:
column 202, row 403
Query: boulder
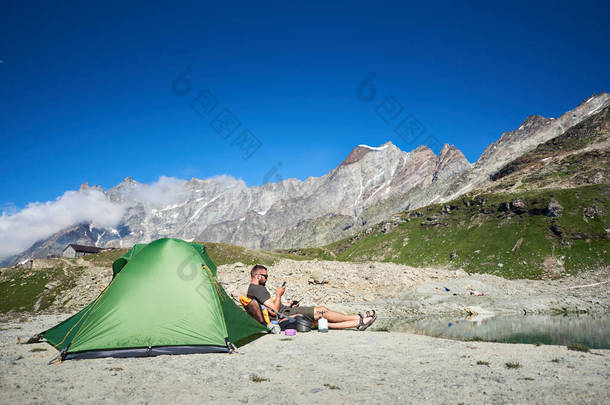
column 518, row 206
column 52, row 284
column 387, row 227
column 597, row 178
column 504, row 207
column 593, row 211
column 557, row 230
column 553, row 209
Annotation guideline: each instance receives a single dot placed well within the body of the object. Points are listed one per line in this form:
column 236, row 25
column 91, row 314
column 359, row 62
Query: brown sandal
column 362, row 326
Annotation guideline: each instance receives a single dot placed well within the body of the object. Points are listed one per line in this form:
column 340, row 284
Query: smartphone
column 283, row 284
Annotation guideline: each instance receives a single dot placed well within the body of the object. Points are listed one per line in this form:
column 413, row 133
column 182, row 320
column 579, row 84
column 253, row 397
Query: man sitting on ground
column 336, row 320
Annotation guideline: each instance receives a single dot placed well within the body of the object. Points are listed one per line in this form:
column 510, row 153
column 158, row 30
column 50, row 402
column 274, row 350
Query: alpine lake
column 590, row 331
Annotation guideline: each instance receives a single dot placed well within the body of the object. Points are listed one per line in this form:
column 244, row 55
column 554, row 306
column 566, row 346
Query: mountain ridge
column 369, row 185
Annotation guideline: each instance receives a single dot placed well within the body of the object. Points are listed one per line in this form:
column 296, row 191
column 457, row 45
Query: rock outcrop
column 534, row 131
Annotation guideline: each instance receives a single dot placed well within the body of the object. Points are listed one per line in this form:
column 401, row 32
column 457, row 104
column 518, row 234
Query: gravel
column 338, row 366
column 335, row 367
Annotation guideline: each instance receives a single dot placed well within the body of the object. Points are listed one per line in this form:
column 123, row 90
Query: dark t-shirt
column 261, row 294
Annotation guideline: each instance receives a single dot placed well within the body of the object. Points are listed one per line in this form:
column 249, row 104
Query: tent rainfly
column 163, row 299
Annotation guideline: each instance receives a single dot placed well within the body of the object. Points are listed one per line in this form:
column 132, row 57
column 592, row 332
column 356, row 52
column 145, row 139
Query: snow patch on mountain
column 373, row 147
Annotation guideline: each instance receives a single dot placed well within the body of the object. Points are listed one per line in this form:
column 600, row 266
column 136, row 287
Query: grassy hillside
column 25, row 291
column 511, row 235
column 220, row 253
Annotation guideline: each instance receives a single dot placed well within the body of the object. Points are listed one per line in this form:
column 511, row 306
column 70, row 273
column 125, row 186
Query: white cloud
column 226, row 180
column 20, row 230
column 165, row 191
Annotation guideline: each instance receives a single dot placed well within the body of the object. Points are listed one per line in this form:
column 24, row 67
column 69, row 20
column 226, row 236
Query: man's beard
column 263, row 282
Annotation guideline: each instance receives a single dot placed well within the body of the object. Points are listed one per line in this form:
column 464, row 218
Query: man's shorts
column 307, row 312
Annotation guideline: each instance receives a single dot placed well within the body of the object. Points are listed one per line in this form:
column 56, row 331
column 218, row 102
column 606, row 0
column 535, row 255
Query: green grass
column 485, row 239
column 257, row 378
column 578, row 347
column 20, row 292
column 220, row 253
column 320, row 253
column 105, row 259
column 223, row 253
column 512, row 364
column 22, row 289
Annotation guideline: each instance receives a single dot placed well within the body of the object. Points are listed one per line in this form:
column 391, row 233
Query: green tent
column 163, row 299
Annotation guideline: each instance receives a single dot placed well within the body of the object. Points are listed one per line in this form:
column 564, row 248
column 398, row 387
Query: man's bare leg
column 333, row 316
column 343, row 325
column 337, row 320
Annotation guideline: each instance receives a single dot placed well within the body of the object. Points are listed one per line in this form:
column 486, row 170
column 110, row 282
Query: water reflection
column 593, row 331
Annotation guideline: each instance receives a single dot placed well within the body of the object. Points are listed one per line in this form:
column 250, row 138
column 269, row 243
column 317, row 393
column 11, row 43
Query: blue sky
column 87, row 90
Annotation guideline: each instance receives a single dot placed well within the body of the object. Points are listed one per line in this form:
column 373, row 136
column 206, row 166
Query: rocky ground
column 398, row 291
column 338, row 367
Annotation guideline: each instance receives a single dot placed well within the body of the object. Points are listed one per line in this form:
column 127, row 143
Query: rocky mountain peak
column 361, row 150
column 534, row 131
column 446, row 148
column 451, row 153
column 85, row 187
column 355, row 155
column 423, row 149
column 450, row 161
column 533, row 119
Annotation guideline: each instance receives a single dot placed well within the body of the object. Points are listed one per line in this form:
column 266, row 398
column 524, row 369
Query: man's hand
column 294, row 304
column 280, row 291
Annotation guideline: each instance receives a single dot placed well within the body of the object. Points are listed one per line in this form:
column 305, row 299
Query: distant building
column 73, row 250
column 26, row 264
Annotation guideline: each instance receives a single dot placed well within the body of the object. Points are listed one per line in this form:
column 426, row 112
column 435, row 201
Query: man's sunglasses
column 264, row 275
